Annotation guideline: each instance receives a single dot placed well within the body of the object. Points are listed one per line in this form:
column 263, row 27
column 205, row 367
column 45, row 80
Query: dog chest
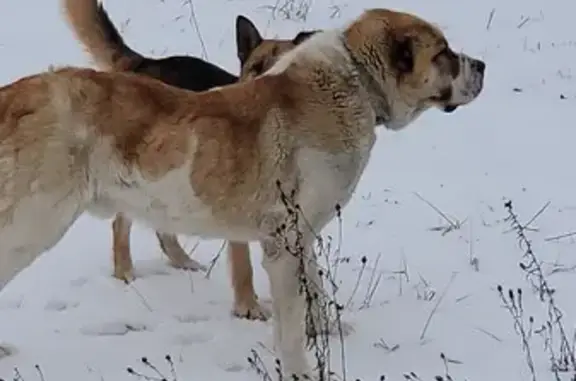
column 328, row 179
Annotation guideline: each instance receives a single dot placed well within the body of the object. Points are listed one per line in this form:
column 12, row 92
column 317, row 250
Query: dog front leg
column 317, row 323
column 289, row 309
column 323, row 319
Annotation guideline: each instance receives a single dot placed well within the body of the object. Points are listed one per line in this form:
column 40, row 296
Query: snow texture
column 429, row 285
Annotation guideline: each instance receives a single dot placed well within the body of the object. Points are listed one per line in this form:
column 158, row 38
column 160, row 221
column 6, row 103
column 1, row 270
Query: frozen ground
column 516, row 141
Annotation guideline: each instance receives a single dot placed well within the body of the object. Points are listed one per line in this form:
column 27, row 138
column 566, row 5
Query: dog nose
column 479, row 65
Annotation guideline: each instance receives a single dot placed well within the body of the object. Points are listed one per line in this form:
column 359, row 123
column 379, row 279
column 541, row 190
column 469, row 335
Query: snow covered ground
column 425, row 289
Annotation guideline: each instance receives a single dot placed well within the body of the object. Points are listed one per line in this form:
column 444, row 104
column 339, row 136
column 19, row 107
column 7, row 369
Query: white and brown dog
column 208, row 164
column 98, row 35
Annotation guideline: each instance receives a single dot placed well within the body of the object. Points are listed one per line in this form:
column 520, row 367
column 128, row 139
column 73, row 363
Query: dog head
column 410, row 66
column 257, row 54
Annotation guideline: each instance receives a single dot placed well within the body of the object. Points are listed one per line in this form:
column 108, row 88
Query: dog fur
column 211, row 164
column 93, row 27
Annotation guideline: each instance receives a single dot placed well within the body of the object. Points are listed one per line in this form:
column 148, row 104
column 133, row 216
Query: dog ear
column 402, row 53
column 303, row 36
column 247, row 38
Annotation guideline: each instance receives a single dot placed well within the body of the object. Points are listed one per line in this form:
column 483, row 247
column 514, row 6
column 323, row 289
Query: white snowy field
column 425, row 290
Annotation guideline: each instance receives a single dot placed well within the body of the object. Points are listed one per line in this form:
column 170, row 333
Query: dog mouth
column 449, row 108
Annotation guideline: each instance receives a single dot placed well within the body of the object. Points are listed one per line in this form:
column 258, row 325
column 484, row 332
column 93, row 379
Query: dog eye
column 443, row 53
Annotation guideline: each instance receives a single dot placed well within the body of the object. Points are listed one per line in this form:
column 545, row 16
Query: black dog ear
column 247, row 38
column 303, row 36
column 402, row 53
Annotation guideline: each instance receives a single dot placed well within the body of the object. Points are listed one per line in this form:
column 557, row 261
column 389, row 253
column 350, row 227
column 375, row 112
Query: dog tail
column 93, row 27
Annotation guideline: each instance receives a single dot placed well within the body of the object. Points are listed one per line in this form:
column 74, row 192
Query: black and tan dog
column 100, row 38
column 217, row 164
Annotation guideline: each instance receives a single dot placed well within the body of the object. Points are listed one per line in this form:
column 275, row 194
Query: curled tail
column 94, row 29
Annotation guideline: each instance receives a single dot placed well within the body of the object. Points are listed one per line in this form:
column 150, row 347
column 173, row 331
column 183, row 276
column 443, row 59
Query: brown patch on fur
column 228, row 145
column 156, row 137
column 138, row 142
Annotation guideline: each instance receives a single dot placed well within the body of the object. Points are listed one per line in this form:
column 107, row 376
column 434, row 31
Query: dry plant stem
column 194, row 22
column 489, row 334
column 40, row 373
column 331, row 274
column 438, row 301
column 526, row 226
column 311, row 289
column 560, row 236
column 258, row 366
column 490, row 18
column 452, row 224
column 319, row 303
column 158, row 375
column 333, row 268
column 292, row 9
column 514, row 306
column 214, row 260
column 372, row 285
column 141, row 297
column 357, row 284
column 565, row 360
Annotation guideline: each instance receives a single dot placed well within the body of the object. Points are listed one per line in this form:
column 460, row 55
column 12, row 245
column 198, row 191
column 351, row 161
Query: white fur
column 469, row 82
column 168, row 204
column 325, row 46
column 43, row 216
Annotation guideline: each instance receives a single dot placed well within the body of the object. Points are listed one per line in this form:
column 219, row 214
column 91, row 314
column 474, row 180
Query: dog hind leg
column 325, row 320
column 34, row 225
column 123, row 267
column 245, row 299
column 176, row 254
column 31, row 225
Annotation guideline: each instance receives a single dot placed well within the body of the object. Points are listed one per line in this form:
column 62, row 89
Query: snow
column 69, row 316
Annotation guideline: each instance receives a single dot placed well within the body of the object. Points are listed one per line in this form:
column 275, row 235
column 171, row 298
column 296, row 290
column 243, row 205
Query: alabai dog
column 219, row 164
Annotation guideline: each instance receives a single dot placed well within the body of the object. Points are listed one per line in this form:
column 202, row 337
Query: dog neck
column 321, row 47
column 378, row 97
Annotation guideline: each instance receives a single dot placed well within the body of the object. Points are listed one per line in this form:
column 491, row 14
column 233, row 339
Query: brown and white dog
column 210, row 164
column 93, row 27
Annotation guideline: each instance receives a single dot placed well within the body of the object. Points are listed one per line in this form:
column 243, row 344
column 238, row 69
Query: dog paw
column 124, row 275
column 251, row 310
column 188, row 264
